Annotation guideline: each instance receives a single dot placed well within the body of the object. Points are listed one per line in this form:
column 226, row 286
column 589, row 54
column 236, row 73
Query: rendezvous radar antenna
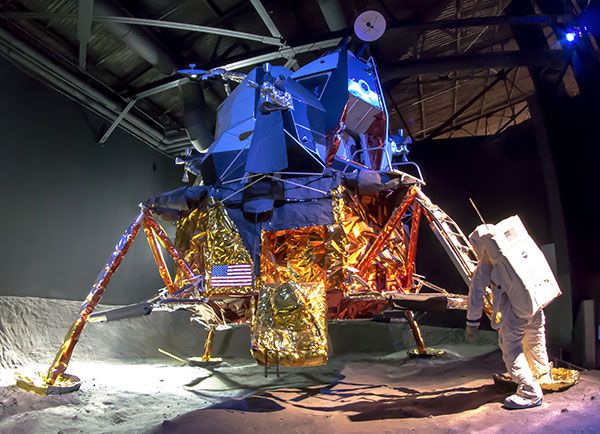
column 477, row 211
column 369, row 26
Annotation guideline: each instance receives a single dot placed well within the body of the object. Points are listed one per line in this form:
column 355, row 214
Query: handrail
column 410, row 163
column 372, row 148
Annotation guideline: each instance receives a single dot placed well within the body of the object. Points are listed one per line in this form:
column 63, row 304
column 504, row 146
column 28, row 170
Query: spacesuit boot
column 529, row 393
column 518, row 337
column 516, row 402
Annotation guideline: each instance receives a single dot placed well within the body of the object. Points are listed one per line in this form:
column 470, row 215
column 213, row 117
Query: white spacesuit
column 522, row 284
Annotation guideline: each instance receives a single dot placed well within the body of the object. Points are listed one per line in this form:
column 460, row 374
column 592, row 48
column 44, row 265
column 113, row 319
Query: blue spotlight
column 570, row 36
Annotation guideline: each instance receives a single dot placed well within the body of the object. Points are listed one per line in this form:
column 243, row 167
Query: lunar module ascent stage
column 299, row 215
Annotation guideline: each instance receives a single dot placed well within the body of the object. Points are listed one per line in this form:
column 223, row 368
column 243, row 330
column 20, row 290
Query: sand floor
column 129, row 387
column 366, row 397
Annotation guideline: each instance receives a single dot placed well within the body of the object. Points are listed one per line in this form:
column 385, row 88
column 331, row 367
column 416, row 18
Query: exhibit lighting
column 570, row 36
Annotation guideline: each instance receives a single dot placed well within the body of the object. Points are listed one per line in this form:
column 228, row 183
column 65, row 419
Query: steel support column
column 548, row 125
column 117, row 121
column 84, row 28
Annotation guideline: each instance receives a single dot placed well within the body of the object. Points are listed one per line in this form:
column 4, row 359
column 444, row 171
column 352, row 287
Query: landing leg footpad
column 429, row 352
column 204, row 361
column 36, row 383
column 562, row 379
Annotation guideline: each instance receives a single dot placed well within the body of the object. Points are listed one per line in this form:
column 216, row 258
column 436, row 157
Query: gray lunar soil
column 368, row 385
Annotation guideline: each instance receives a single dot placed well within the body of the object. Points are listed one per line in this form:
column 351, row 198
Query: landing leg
column 206, row 358
column 421, row 350
column 56, row 381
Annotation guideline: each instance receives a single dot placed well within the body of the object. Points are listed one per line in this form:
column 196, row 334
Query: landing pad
column 202, row 362
column 36, row 383
column 562, row 379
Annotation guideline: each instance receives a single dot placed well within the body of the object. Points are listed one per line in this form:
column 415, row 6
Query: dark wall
column 503, row 175
column 66, row 200
column 567, row 129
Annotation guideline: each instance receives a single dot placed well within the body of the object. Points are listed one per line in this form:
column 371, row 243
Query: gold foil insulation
column 363, row 306
column 290, row 322
column 389, row 229
column 345, row 270
column 412, row 244
column 207, row 236
column 159, row 259
column 290, row 325
column 37, row 383
column 354, row 262
column 338, row 272
column 562, row 379
column 190, row 240
column 165, row 241
column 332, row 255
column 297, row 255
column 359, row 224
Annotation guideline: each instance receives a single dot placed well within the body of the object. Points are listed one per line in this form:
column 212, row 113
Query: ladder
column 454, row 242
column 451, row 237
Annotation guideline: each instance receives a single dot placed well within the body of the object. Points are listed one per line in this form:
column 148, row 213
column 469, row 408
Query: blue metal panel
column 268, row 151
column 322, row 64
column 238, row 106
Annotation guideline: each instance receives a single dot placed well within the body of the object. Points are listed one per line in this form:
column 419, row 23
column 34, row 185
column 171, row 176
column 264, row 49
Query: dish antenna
column 369, row 26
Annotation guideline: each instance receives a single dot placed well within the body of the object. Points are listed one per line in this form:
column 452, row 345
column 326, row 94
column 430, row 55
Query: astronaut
column 522, row 284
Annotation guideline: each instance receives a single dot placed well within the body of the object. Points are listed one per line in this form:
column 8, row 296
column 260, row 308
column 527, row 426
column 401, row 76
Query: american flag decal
column 231, row 275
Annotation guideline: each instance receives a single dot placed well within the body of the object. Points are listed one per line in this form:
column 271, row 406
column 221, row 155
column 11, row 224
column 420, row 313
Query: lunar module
column 300, row 214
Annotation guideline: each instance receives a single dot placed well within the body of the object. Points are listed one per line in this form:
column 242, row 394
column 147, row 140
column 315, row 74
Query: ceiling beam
column 285, row 53
column 77, row 88
column 449, row 122
column 151, row 23
column 468, row 120
column 497, row 20
column 458, row 47
column 466, row 82
column 264, row 15
column 512, row 119
column 445, row 64
column 417, row 54
column 223, row 23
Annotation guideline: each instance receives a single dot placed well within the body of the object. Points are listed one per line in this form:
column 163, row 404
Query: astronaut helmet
column 477, row 237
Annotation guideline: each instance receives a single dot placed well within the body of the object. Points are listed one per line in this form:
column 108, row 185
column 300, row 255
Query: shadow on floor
column 247, row 381
column 366, row 406
column 420, row 405
column 14, row 400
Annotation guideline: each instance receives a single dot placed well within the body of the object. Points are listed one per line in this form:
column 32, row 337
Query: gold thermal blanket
column 357, row 224
column 290, row 325
column 207, row 237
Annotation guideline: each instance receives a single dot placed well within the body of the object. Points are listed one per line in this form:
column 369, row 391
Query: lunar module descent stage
column 299, row 215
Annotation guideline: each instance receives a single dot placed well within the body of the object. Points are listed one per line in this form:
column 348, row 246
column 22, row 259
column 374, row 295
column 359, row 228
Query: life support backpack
column 519, row 268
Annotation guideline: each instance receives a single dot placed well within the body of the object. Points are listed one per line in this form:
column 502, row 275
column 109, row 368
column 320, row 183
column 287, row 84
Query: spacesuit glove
column 471, row 333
